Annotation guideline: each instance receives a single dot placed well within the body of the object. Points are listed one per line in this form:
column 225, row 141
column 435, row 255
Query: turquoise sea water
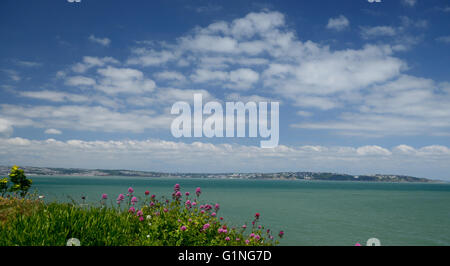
column 310, row 212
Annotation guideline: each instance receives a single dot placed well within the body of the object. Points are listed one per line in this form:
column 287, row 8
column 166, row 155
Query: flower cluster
column 190, row 222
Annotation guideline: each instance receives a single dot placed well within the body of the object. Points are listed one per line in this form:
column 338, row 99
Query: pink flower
column 139, row 213
column 147, row 192
column 280, row 234
column 152, row 203
column 217, row 206
column 130, row 190
column 220, row 230
column 104, row 196
column 202, row 211
column 259, row 226
column 153, row 196
column 247, row 241
column 238, row 239
column 120, row 197
column 244, row 226
column 257, row 237
column 176, row 187
column 227, row 238
column 198, row 191
column 141, row 218
column 187, row 193
column 183, row 228
column 206, row 226
column 132, row 209
column 133, row 200
column 213, row 214
column 166, row 210
column 257, row 215
column 252, row 235
column 357, row 244
column 178, row 194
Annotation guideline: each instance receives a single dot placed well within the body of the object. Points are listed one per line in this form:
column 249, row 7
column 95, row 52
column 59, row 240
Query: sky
column 364, row 88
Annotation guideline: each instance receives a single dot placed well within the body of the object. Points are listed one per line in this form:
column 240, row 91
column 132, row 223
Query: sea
column 311, row 213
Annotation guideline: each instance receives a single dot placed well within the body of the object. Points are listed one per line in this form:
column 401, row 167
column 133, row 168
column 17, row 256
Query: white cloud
column 12, row 74
column 243, row 78
column 168, row 96
column 203, row 157
column 404, row 106
column 123, row 80
column 145, row 57
column 203, row 75
column 101, row 41
column 80, row 81
column 239, row 79
column 170, row 75
column 372, row 150
column 28, row 63
column 52, row 131
column 208, row 43
column 55, row 96
column 373, row 32
column 90, row 62
column 5, row 127
column 339, row 23
column 85, row 118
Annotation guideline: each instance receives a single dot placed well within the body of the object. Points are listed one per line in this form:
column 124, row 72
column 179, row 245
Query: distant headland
column 49, row 171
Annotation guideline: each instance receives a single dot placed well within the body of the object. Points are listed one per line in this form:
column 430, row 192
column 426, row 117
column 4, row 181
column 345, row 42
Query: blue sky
column 364, row 87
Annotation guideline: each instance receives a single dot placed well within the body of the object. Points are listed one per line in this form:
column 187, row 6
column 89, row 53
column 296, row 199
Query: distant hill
column 48, row 171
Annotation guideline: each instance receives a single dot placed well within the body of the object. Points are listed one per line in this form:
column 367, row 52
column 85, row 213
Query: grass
column 149, row 222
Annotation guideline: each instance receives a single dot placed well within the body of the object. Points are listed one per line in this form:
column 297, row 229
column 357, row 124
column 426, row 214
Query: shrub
column 179, row 221
column 20, row 183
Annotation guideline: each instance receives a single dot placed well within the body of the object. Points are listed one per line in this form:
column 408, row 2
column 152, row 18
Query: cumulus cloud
column 372, row 32
column 5, row 127
column 52, row 131
column 405, row 106
column 339, row 23
column 203, row 157
column 124, row 80
column 80, row 81
column 170, row 75
column 90, row 62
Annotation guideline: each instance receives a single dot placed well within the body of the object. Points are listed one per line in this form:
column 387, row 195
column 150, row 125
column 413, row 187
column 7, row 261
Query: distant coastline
column 49, row 171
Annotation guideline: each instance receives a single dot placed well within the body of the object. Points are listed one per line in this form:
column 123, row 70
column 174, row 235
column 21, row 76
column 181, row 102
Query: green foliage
column 160, row 222
column 151, row 221
column 3, row 186
column 20, row 183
